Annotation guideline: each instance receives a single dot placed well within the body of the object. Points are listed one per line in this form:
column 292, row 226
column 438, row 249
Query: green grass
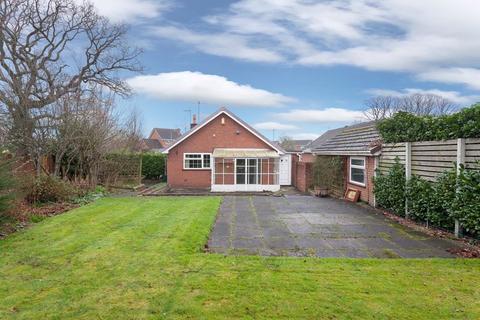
column 140, row 258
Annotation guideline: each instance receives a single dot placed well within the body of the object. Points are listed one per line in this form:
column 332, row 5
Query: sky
column 295, row 67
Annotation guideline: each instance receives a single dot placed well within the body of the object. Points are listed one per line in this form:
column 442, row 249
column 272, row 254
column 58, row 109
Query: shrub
column 430, row 201
column 466, row 205
column 328, row 172
column 48, row 189
column 153, row 165
column 403, row 126
column 90, row 196
column 389, row 189
column 421, row 199
column 7, row 186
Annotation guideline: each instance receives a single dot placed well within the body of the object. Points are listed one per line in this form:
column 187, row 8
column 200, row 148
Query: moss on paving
column 140, row 258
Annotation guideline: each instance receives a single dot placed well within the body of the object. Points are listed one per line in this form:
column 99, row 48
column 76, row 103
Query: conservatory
column 245, row 170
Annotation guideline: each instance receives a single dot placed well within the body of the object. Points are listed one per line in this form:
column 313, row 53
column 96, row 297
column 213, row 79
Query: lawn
column 141, row 258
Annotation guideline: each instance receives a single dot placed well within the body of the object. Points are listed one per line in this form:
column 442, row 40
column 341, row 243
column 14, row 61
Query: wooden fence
column 428, row 159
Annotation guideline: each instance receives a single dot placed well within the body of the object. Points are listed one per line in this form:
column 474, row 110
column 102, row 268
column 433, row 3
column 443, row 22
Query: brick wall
column 205, row 140
column 303, row 176
column 366, row 192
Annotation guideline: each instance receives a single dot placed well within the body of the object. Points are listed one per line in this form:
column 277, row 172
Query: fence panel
column 472, row 153
column 430, row 158
column 390, row 152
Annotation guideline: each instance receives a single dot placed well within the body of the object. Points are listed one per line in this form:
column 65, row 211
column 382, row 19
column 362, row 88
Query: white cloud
column 274, row 126
column 207, row 88
column 130, row 10
column 221, row 44
column 453, row 96
column 393, row 35
column 322, row 115
column 466, row 76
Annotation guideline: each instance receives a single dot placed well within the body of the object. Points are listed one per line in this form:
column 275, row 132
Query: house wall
column 366, row 193
column 307, row 157
column 205, row 140
column 303, row 175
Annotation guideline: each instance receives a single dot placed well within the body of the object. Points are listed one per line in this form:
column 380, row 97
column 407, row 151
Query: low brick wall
column 303, row 176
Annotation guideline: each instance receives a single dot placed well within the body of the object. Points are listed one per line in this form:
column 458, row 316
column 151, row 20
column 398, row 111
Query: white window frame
column 202, row 158
column 364, row 168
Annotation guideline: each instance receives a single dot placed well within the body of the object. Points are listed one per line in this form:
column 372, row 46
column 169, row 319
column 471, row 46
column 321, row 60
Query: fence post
column 460, row 161
column 408, row 170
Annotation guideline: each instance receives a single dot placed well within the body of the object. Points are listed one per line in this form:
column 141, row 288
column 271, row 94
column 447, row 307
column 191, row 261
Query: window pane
column 357, row 175
column 206, row 161
column 193, row 164
column 193, row 156
column 358, row 162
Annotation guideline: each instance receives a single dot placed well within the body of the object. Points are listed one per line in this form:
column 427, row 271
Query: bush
column 404, row 127
column 7, row 186
column 48, row 189
column 389, row 189
column 153, row 165
column 90, row 196
column 437, row 203
column 466, row 204
column 430, row 202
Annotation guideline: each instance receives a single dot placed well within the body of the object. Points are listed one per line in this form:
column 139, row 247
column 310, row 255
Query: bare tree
column 50, row 48
column 381, row 107
column 287, row 143
column 425, row 104
column 131, row 131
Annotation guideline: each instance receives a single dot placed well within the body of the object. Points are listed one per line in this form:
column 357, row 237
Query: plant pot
column 321, row 191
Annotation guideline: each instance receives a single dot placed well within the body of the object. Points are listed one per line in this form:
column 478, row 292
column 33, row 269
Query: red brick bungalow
column 360, row 147
column 225, row 154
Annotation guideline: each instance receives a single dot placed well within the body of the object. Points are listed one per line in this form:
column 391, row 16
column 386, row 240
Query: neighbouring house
column 150, row 145
column 295, row 146
column 225, row 154
column 360, row 147
column 159, row 139
column 165, row 136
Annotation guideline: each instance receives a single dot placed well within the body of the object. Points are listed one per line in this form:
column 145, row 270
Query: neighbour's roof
column 244, row 153
column 296, row 145
column 167, row 134
column 357, row 139
column 235, row 118
column 152, row 144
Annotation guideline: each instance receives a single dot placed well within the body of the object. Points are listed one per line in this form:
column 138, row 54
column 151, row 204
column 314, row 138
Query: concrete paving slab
column 297, row 225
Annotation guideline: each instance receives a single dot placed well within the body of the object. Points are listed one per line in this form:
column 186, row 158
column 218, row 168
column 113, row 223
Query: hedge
column 153, row 166
column 436, row 203
column 407, row 127
column 389, row 189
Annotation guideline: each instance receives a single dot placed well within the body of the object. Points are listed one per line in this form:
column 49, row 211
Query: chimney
column 194, row 121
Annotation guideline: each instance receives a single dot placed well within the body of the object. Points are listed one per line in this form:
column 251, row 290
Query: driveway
column 307, row 226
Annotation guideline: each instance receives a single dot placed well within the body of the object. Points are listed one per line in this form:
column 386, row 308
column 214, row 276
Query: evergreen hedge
column 153, row 166
column 436, row 203
column 407, row 127
column 389, row 189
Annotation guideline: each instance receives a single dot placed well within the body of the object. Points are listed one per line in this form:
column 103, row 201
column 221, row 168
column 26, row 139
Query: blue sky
column 297, row 66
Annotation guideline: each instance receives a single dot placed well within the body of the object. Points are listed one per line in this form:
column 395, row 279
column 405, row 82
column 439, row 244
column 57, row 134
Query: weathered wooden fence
column 428, row 159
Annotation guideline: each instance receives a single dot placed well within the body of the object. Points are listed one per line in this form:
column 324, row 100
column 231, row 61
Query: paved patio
column 308, row 226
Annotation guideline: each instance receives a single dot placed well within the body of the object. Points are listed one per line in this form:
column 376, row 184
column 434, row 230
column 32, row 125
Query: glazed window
column 196, row 161
column 357, row 171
